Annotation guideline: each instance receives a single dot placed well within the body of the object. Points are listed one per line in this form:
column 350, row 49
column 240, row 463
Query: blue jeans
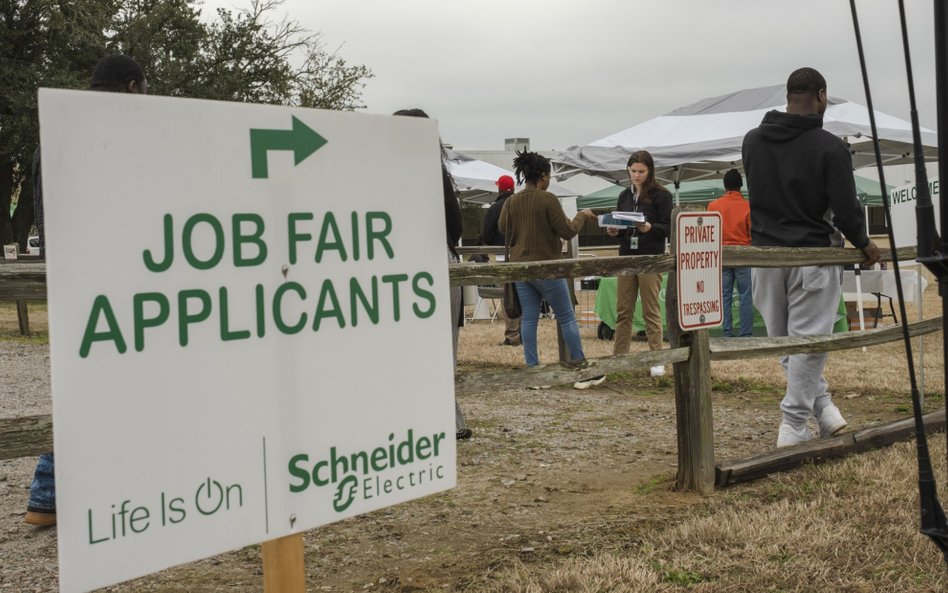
column 43, row 488
column 746, row 302
column 556, row 293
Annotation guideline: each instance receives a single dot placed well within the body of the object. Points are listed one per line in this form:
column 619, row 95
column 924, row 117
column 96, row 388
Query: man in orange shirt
column 735, row 212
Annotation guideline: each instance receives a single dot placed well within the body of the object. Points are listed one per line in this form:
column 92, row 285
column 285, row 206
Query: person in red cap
column 491, row 235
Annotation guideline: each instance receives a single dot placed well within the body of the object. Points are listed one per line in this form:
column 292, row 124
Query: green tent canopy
column 868, row 191
column 704, row 190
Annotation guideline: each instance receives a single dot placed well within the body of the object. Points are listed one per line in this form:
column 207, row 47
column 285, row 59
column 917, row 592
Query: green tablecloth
column 605, row 309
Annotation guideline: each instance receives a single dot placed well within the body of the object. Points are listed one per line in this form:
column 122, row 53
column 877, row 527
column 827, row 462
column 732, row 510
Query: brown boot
column 40, row 518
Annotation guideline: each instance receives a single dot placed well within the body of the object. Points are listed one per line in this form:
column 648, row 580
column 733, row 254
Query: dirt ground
column 550, row 474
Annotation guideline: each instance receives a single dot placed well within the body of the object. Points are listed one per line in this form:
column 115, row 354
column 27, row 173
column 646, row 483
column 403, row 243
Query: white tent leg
column 862, row 316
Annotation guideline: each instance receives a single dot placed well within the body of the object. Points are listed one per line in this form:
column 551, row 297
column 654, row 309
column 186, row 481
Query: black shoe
column 509, row 342
column 575, row 364
column 464, row 434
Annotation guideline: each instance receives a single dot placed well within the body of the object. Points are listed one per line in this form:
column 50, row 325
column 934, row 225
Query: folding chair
column 879, row 313
column 485, row 294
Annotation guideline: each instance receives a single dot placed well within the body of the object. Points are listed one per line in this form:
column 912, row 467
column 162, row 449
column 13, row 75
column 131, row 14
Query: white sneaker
column 788, row 435
column 658, row 371
column 831, row 421
column 591, row 382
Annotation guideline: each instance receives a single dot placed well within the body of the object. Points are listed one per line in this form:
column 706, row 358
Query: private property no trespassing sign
column 698, row 265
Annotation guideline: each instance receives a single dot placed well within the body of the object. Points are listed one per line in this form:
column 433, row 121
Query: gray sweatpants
column 800, row 302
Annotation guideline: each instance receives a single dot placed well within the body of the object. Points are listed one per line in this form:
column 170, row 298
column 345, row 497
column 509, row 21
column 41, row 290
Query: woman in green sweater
column 534, row 223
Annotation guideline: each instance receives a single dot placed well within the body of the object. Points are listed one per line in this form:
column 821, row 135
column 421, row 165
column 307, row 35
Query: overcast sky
column 566, row 73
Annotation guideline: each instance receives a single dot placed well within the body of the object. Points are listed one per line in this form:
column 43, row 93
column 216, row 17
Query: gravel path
column 28, row 554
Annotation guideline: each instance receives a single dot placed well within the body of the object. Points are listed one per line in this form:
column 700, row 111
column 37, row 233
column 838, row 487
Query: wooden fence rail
column 742, row 470
column 25, row 436
column 32, row 435
column 27, row 280
column 22, row 280
column 690, row 354
column 733, row 256
column 741, row 348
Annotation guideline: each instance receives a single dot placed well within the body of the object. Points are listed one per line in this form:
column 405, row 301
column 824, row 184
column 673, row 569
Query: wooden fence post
column 694, row 419
column 572, row 252
column 283, row 570
column 23, row 316
column 692, row 394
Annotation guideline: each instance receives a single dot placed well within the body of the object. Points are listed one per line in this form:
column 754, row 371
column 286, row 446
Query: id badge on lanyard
column 634, row 239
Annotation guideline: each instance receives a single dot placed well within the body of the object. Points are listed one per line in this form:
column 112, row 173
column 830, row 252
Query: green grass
column 680, row 577
column 10, row 327
column 684, row 578
column 34, row 338
column 653, row 484
column 624, row 377
column 743, row 384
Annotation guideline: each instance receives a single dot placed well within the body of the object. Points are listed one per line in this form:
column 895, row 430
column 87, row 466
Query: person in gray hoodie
column 802, row 194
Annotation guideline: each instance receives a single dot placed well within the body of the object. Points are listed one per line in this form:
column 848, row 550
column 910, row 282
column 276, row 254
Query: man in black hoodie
column 802, row 194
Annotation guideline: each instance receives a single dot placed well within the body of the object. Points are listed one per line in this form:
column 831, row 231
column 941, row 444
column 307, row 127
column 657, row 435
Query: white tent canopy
column 476, row 180
column 703, row 140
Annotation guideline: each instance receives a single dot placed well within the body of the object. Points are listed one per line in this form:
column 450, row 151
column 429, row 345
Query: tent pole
column 677, row 183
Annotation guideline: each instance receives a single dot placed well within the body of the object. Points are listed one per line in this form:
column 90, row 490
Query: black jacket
column 491, row 235
column 657, row 211
column 800, row 184
column 452, row 212
column 38, row 214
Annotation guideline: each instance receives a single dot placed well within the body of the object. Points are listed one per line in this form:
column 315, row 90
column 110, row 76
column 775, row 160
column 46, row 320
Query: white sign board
column 902, row 202
column 239, row 296
column 698, row 265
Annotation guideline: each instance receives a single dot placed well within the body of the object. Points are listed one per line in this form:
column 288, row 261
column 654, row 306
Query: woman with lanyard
column 643, row 238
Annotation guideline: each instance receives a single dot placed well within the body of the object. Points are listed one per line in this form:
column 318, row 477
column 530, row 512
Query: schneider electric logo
column 356, row 474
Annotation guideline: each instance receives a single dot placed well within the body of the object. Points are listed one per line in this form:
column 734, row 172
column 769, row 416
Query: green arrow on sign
column 302, row 140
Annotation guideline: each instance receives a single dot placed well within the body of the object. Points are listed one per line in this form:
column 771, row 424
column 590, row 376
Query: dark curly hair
column 531, row 166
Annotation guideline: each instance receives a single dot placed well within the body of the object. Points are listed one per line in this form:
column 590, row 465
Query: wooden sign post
column 283, row 570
